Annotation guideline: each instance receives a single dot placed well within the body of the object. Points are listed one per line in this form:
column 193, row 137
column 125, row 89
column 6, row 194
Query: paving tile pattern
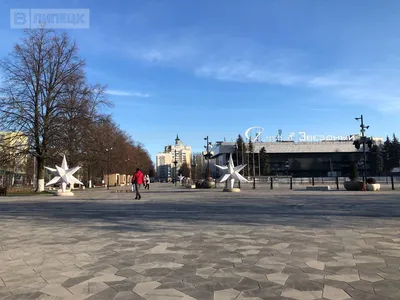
column 187, row 245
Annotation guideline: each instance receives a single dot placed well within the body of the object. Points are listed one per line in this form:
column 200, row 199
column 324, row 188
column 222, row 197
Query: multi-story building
column 163, row 165
column 13, row 156
column 165, row 160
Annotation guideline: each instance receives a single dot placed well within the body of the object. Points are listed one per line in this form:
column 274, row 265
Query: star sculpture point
column 231, row 173
column 63, row 175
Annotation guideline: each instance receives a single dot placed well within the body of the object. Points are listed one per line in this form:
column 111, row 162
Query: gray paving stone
column 260, row 293
column 177, row 285
column 127, row 296
column 122, row 286
column 156, row 272
column 247, row 284
column 26, row 296
column 198, row 293
column 259, row 243
column 363, row 286
column 76, row 280
column 106, row 294
column 304, row 285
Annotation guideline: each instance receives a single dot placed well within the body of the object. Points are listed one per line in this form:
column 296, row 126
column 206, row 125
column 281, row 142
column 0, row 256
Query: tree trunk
column 40, row 175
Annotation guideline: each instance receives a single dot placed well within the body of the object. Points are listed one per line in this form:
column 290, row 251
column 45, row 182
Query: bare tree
column 110, row 149
column 184, row 170
column 43, row 74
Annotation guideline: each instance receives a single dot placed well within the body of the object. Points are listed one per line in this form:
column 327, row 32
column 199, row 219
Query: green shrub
column 353, row 172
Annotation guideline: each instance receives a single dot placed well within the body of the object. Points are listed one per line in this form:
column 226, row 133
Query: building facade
column 299, row 159
column 13, row 157
column 165, row 160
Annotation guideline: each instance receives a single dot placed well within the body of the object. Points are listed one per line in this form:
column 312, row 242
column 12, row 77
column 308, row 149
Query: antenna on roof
column 279, row 136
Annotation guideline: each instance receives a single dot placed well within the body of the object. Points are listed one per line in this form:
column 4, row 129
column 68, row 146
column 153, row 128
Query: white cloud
column 374, row 88
column 244, row 61
column 248, row 72
column 127, row 93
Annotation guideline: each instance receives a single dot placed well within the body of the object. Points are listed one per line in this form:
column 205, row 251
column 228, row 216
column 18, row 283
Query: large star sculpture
column 231, row 173
column 64, row 175
column 181, row 177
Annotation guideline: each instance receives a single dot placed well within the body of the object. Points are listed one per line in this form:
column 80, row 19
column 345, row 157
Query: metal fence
column 282, row 182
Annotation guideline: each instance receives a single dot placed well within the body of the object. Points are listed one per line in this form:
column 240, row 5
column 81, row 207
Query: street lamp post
column 193, row 168
column 363, row 141
column 175, row 163
column 108, row 150
column 126, row 170
column 208, row 154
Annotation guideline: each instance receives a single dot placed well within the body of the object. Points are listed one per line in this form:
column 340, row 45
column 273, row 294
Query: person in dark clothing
column 138, row 178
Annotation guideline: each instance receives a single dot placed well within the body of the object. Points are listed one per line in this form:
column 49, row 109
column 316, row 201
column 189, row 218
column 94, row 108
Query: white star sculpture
column 64, row 175
column 231, row 173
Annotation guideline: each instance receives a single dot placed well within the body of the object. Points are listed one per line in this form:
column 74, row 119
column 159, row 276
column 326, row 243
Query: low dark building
column 300, row 159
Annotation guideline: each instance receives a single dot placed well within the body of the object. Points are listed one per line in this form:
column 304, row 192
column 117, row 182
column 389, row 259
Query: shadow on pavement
column 305, row 211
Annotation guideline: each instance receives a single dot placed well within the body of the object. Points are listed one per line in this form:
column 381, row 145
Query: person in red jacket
column 138, row 180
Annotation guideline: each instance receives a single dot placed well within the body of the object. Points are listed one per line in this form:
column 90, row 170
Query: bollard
column 254, row 183
column 272, row 183
column 239, row 184
column 291, row 183
column 215, row 182
column 337, row 182
column 313, row 181
column 391, row 179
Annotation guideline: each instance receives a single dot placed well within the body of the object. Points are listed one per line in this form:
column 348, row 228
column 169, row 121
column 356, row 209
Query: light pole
column 363, row 140
column 208, row 154
column 175, row 163
column 193, row 168
column 126, row 170
column 108, row 150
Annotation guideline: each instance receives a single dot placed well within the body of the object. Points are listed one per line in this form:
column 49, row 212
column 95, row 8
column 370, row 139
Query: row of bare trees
column 46, row 98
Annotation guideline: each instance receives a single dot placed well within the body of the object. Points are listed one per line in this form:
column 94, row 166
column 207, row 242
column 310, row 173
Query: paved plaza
column 187, row 244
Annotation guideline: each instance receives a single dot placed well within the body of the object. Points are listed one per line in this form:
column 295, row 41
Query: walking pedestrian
column 147, row 181
column 139, row 180
column 133, row 183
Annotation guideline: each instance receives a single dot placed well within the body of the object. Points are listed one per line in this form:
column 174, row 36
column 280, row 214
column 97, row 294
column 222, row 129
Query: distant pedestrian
column 147, row 181
column 139, row 180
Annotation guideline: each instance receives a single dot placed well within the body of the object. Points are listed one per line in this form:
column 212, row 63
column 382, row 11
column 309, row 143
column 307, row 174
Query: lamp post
column 108, row 150
column 287, row 167
column 193, row 167
column 126, row 170
column 363, row 141
column 175, row 163
column 208, row 154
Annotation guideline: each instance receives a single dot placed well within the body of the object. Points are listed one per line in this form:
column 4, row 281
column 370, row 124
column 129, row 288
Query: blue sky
column 215, row 68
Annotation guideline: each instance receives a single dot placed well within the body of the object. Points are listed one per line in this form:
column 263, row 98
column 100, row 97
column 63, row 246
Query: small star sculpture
column 64, row 175
column 231, row 173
